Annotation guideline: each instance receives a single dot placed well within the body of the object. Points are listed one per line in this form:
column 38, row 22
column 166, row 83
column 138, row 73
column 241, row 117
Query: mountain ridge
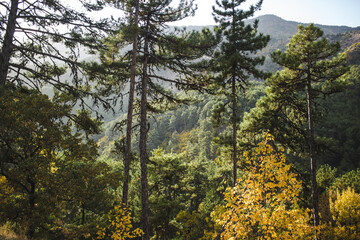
column 270, row 23
column 266, row 21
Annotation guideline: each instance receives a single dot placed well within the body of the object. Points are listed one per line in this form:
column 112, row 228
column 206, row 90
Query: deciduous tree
column 51, row 171
column 263, row 203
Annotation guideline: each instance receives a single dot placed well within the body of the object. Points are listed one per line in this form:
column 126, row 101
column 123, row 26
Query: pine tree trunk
column 127, row 159
column 312, row 158
column 143, row 139
column 233, row 92
column 7, row 43
column 31, row 230
column 234, row 133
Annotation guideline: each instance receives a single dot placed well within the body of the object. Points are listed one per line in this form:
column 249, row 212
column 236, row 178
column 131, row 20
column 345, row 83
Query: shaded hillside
column 350, row 42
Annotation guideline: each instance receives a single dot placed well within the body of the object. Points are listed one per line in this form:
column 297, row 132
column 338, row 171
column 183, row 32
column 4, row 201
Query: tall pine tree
column 235, row 62
column 310, row 71
column 177, row 52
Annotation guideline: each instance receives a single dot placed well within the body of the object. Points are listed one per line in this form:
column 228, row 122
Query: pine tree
column 177, row 52
column 235, row 62
column 40, row 40
column 112, row 73
column 310, row 71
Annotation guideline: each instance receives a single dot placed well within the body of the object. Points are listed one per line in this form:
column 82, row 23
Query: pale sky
column 326, row 12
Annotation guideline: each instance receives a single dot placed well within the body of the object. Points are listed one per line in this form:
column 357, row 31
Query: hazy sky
column 327, row 12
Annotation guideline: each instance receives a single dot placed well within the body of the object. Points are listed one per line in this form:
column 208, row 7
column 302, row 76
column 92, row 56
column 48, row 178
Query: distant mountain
column 281, row 31
column 277, row 27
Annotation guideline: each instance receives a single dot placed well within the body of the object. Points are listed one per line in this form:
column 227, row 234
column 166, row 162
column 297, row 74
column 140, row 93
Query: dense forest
column 131, row 129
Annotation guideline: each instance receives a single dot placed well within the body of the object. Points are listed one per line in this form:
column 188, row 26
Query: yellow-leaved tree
column 118, row 226
column 345, row 212
column 264, row 202
column 5, row 189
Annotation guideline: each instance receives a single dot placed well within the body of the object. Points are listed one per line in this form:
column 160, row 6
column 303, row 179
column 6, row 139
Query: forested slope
column 190, row 117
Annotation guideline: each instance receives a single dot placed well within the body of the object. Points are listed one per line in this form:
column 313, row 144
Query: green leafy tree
column 169, row 190
column 50, row 168
column 235, row 63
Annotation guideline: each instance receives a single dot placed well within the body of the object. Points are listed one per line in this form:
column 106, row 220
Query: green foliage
column 308, row 59
column 349, row 179
column 325, row 177
column 240, row 40
column 234, row 63
column 42, row 43
column 53, row 184
column 168, row 190
column 341, row 124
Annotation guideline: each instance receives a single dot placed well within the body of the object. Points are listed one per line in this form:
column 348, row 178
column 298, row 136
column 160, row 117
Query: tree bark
column 233, row 92
column 143, row 139
column 7, row 43
column 234, row 133
column 31, row 230
column 312, row 158
column 127, row 159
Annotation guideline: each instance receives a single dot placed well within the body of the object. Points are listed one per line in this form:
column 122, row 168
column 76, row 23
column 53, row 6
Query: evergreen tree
column 169, row 190
column 127, row 158
column 309, row 73
column 112, row 74
column 235, row 62
column 40, row 40
column 178, row 52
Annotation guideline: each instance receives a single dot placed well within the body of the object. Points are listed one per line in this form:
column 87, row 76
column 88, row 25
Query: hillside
column 277, row 27
column 280, row 28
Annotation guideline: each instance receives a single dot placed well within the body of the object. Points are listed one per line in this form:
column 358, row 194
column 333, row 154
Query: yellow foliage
column 263, row 205
column 118, row 226
column 5, row 189
column 345, row 210
column 346, row 207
